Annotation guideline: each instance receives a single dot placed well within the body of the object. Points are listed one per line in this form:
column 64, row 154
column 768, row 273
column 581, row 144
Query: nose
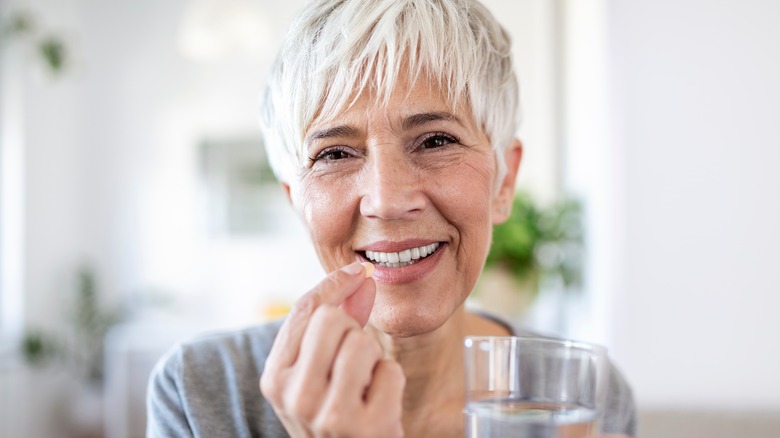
column 393, row 189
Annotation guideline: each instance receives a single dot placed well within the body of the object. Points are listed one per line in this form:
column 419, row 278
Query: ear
column 286, row 188
column 502, row 201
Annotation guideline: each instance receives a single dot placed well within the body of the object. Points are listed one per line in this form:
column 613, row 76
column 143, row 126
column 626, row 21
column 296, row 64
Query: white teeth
column 403, row 258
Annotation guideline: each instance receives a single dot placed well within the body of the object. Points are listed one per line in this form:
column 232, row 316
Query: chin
column 407, row 319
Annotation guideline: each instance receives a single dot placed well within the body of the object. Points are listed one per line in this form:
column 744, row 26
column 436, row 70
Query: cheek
column 475, row 182
column 475, row 230
column 327, row 209
column 469, row 192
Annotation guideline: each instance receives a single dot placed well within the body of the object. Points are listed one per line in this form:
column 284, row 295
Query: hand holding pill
column 324, row 374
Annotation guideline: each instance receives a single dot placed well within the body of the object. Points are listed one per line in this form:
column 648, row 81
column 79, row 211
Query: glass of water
column 533, row 387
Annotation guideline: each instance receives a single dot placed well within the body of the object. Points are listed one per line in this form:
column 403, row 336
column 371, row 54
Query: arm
column 620, row 415
column 165, row 412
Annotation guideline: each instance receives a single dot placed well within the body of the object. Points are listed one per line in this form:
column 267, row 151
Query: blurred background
column 137, row 208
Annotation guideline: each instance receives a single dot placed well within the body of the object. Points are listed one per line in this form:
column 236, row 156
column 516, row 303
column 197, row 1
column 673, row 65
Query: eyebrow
column 423, row 118
column 336, row 131
column 412, row 121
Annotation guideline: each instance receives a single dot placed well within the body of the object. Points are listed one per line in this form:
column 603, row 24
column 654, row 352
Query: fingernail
column 353, row 268
column 369, row 268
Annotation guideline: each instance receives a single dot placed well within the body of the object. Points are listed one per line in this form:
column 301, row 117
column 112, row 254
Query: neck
column 434, row 395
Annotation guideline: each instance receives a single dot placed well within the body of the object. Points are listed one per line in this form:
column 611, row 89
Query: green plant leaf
column 543, row 241
column 39, row 348
column 53, row 52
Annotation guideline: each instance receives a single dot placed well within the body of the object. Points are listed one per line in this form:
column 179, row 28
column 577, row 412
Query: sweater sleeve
column 208, row 386
column 620, row 413
column 166, row 416
column 620, row 410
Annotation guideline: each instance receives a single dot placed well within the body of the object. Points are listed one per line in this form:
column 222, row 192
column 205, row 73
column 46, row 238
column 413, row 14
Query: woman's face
column 409, row 186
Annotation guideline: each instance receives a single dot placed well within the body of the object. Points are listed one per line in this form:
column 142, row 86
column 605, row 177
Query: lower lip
column 408, row 274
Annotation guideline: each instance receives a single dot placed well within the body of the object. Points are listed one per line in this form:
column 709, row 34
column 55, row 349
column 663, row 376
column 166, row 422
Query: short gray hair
column 337, row 49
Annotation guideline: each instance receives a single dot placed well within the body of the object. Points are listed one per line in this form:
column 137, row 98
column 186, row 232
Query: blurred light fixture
column 214, row 29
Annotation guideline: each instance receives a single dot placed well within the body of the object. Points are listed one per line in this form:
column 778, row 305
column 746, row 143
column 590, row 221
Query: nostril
column 392, row 203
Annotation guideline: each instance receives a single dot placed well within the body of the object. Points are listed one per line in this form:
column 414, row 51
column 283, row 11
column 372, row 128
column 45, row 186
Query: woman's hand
column 324, row 375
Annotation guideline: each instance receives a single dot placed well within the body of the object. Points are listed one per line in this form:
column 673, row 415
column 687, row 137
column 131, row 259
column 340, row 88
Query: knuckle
column 329, row 319
column 396, row 369
column 300, row 407
column 328, row 283
column 270, row 387
column 333, row 281
column 334, row 421
column 390, row 430
column 395, row 430
column 324, row 316
column 393, row 371
column 353, row 338
column 326, row 424
column 362, row 341
column 305, row 306
column 302, row 386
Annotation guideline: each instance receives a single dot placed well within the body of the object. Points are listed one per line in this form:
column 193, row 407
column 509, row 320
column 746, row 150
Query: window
column 11, row 195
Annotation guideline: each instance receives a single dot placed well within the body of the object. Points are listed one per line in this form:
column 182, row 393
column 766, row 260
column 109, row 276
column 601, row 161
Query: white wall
column 696, row 91
column 112, row 163
column 55, row 206
column 109, row 173
column 532, row 25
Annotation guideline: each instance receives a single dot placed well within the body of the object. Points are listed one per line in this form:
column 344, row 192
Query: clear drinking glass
column 533, row 387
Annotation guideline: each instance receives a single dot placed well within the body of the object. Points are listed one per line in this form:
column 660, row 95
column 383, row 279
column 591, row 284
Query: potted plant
column 79, row 348
column 537, row 247
column 49, row 48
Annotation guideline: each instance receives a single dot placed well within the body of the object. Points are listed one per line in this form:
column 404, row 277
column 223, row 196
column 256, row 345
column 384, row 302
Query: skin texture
column 378, row 180
column 382, row 356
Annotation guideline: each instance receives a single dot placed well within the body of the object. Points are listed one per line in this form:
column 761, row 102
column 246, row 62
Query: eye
column 436, row 140
column 331, row 154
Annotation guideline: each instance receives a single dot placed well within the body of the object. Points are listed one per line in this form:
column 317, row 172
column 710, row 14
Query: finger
column 353, row 369
column 359, row 304
column 326, row 332
column 385, row 395
column 387, row 387
column 334, row 289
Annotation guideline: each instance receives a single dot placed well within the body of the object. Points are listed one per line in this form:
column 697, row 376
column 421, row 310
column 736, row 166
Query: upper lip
column 388, row 246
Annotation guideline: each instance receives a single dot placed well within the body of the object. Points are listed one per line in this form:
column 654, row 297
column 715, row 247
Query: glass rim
column 566, row 343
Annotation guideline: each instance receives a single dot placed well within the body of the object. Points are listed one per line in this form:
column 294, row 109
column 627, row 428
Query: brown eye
column 332, row 154
column 437, row 141
column 335, row 155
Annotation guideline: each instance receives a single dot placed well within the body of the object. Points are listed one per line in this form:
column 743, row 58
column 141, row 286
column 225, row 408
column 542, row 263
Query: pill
column 369, row 268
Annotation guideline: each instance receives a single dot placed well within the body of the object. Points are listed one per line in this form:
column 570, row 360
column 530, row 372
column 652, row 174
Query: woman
column 391, row 125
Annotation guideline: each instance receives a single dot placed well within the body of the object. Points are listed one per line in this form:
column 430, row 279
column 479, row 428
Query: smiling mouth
column 403, row 258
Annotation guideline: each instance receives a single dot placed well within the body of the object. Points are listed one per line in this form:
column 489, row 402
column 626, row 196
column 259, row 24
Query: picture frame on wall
column 241, row 196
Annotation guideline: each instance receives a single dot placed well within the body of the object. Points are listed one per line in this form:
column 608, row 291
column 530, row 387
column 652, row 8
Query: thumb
column 361, row 302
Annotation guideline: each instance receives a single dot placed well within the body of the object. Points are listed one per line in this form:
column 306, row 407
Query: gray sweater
column 209, row 387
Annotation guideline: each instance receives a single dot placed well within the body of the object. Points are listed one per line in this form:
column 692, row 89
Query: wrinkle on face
column 483, row 177
column 453, row 188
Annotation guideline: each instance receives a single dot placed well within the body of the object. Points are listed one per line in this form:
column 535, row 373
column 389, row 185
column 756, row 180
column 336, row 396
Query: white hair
column 337, row 49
